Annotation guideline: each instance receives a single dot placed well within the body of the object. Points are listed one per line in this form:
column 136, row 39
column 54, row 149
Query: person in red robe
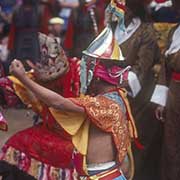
column 45, row 149
column 81, row 30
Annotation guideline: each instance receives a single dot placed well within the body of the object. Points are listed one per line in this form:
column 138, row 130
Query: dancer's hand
column 17, row 69
column 159, row 112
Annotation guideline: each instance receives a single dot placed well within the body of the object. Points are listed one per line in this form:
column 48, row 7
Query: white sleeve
column 134, row 84
column 160, row 95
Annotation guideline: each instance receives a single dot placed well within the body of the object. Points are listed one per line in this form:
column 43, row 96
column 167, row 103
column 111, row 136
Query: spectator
column 55, row 27
column 23, row 41
column 81, row 30
column 46, row 10
column 66, row 10
column 7, row 7
column 139, row 47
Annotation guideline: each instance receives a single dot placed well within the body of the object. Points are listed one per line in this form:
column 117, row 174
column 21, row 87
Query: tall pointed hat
column 104, row 47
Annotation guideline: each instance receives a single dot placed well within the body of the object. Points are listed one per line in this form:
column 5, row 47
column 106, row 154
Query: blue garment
column 115, row 97
column 92, row 173
column 120, row 178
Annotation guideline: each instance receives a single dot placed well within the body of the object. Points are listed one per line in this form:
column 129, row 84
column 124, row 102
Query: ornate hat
column 53, row 62
column 117, row 7
column 115, row 11
column 104, row 48
column 56, row 20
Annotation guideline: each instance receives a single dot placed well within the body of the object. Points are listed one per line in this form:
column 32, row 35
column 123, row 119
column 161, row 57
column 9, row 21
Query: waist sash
column 106, row 175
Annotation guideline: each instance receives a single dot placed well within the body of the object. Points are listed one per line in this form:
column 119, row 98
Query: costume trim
column 100, row 166
column 160, row 95
column 109, row 174
column 99, row 111
column 134, row 83
column 26, row 95
column 132, row 127
column 34, row 167
column 158, row 6
column 123, row 35
column 175, row 44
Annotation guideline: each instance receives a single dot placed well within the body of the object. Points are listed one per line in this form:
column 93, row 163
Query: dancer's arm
column 47, row 96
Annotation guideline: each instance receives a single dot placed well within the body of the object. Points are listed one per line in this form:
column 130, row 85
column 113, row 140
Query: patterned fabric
column 162, row 31
column 53, row 61
column 108, row 116
column 67, row 86
column 111, row 113
column 170, row 164
column 8, row 93
column 47, row 141
column 113, row 174
column 115, row 96
column 43, row 151
column 44, row 142
column 34, row 167
column 117, row 7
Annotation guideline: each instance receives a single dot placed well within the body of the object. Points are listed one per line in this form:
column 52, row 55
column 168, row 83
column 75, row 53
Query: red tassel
column 138, row 144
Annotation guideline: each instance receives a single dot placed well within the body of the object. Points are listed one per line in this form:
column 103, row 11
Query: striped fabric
column 37, row 169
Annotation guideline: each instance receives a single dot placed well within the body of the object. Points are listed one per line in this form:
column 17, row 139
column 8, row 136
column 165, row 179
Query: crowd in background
column 21, row 20
column 74, row 24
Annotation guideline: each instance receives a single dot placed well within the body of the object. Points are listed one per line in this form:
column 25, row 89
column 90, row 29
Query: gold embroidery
column 108, row 116
column 12, row 156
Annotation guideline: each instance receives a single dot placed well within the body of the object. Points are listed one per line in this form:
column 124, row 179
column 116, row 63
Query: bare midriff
column 101, row 146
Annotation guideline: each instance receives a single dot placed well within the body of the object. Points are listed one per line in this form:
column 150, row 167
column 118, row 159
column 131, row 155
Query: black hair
column 139, row 9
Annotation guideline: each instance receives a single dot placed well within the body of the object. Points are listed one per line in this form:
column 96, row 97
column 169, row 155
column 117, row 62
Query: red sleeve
column 107, row 115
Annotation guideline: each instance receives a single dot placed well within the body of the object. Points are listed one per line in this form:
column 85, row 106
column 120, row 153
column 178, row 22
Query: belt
column 106, row 175
column 176, row 76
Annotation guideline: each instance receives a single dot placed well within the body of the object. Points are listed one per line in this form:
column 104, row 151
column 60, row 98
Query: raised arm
column 47, row 96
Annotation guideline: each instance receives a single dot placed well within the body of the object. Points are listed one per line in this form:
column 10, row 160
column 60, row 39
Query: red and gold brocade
column 59, row 127
column 45, row 147
column 109, row 117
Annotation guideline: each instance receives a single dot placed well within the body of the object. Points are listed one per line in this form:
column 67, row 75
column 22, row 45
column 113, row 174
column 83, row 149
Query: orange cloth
column 101, row 111
column 26, row 96
column 108, row 116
